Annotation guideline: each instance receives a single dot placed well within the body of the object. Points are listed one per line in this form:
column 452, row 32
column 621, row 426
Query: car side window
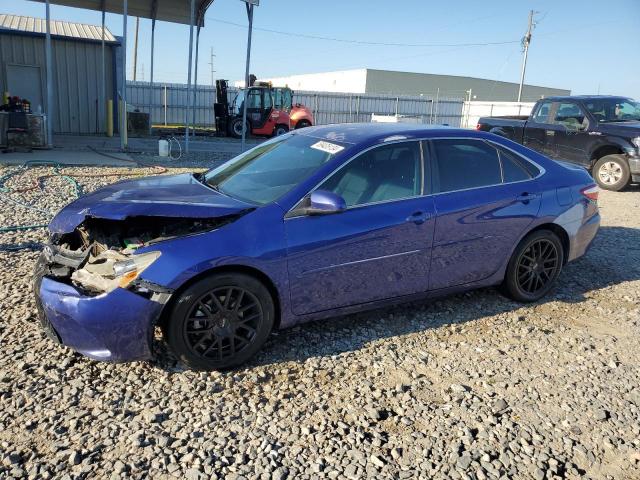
column 542, row 113
column 389, row 172
column 569, row 115
column 461, row 164
column 513, row 169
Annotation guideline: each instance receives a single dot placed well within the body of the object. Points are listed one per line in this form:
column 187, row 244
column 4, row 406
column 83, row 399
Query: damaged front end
column 89, row 292
column 101, row 255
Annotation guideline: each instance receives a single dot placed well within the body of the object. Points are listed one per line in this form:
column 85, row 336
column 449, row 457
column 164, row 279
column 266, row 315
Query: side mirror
column 323, row 202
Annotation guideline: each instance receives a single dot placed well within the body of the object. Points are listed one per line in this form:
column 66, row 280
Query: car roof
column 584, row 97
column 377, row 132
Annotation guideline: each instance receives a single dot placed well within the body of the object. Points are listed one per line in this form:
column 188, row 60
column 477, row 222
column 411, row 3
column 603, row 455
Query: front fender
column 255, row 240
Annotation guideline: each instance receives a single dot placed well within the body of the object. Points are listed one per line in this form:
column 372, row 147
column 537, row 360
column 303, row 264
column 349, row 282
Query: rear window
column 463, row 164
column 541, row 115
column 512, row 170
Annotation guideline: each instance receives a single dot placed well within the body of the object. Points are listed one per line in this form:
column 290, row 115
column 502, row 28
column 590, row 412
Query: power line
column 362, row 42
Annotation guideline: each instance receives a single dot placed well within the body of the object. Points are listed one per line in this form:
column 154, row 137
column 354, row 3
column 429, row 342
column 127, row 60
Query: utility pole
column 526, row 40
column 135, row 51
column 213, row 82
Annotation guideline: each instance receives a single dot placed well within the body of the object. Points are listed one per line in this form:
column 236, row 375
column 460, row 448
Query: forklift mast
column 221, row 108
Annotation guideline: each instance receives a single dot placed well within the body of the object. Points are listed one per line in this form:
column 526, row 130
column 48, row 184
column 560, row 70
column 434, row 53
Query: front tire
column 612, row 172
column 235, row 129
column 534, row 266
column 220, row 322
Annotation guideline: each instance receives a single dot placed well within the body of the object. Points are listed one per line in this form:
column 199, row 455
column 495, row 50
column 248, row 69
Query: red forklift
column 270, row 110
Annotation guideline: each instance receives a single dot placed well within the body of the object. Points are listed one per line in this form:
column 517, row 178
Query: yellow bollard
column 109, row 118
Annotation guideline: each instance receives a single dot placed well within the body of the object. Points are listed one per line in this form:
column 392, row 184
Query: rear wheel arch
column 560, row 232
column 242, row 269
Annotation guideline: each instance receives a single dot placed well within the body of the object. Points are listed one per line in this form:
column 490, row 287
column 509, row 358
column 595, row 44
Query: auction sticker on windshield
column 328, row 147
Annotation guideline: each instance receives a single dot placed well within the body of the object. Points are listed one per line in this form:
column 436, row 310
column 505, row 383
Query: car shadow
column 614, row 258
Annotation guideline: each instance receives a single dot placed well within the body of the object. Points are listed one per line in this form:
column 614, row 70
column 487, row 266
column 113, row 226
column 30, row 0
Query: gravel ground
column 470, row 386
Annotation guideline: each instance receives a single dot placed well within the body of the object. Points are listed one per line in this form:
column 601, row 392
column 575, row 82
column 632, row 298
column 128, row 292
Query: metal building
column 79, row 104
column 386, row 82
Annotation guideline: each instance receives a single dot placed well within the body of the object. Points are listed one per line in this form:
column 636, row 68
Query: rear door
column 539, row 131
column 379, row 247
column 571, row 134
column 484, row 196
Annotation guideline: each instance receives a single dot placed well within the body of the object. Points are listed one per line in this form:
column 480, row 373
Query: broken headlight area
column 100, row 255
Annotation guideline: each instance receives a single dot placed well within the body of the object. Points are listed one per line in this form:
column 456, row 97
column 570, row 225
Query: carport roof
column 17, row 23
column 175, row 11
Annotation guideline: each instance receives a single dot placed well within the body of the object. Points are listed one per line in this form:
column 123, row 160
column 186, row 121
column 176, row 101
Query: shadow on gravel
column 613, row 258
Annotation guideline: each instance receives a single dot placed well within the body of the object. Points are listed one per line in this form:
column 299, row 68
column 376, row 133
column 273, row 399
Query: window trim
column 432, row 157
column 582, row 110
column 344, row 165
column 428, row 156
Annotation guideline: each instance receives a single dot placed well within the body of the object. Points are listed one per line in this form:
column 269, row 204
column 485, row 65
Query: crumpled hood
column 162, row 196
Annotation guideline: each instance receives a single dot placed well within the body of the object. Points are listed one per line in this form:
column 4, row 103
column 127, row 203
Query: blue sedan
column 319, row 222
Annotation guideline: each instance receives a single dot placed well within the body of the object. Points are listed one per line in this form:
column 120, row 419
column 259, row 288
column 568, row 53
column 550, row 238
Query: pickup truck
column 601, row 133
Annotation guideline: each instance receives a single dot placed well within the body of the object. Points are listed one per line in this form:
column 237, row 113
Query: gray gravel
column 470, row 386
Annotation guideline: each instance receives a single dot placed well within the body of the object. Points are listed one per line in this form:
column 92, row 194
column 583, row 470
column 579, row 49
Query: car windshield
column 268, row 171
column 614, row 109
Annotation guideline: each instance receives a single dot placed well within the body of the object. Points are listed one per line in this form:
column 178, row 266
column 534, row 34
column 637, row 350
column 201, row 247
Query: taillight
column 591, row 192
column 478, row 126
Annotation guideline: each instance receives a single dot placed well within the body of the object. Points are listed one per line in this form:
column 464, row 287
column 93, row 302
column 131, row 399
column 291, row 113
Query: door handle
column 550, row 133
column 526, row 197
column 418, row 217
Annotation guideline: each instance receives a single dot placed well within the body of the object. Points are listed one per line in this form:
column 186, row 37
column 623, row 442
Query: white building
column 366, row 80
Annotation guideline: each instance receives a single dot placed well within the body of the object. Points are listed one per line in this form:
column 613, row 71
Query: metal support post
column 123, row 103
column 103, row 83
column 195, row 81
column 246, row 75
column 49, row 66
column 186, row 120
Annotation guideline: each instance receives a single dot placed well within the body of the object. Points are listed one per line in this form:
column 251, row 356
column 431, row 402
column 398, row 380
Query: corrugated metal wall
column 167, row 102
column 78, row 104
column 326, row 107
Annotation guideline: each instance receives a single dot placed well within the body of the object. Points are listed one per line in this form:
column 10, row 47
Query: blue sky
column 588, row 46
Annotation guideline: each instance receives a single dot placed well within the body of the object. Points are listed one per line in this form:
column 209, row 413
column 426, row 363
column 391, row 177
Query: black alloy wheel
column 534, row 266
column 220, row 322
column 537, row 266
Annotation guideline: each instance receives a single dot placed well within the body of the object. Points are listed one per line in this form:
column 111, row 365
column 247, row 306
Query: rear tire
column 280, row 130
column 534, row 267
column 612, row 172
column 220, row 322
column 303, row 124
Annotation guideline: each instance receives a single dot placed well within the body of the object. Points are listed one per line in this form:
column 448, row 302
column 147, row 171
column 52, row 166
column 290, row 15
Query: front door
column 258, row 107
column 484, row 198
column 379, row 247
